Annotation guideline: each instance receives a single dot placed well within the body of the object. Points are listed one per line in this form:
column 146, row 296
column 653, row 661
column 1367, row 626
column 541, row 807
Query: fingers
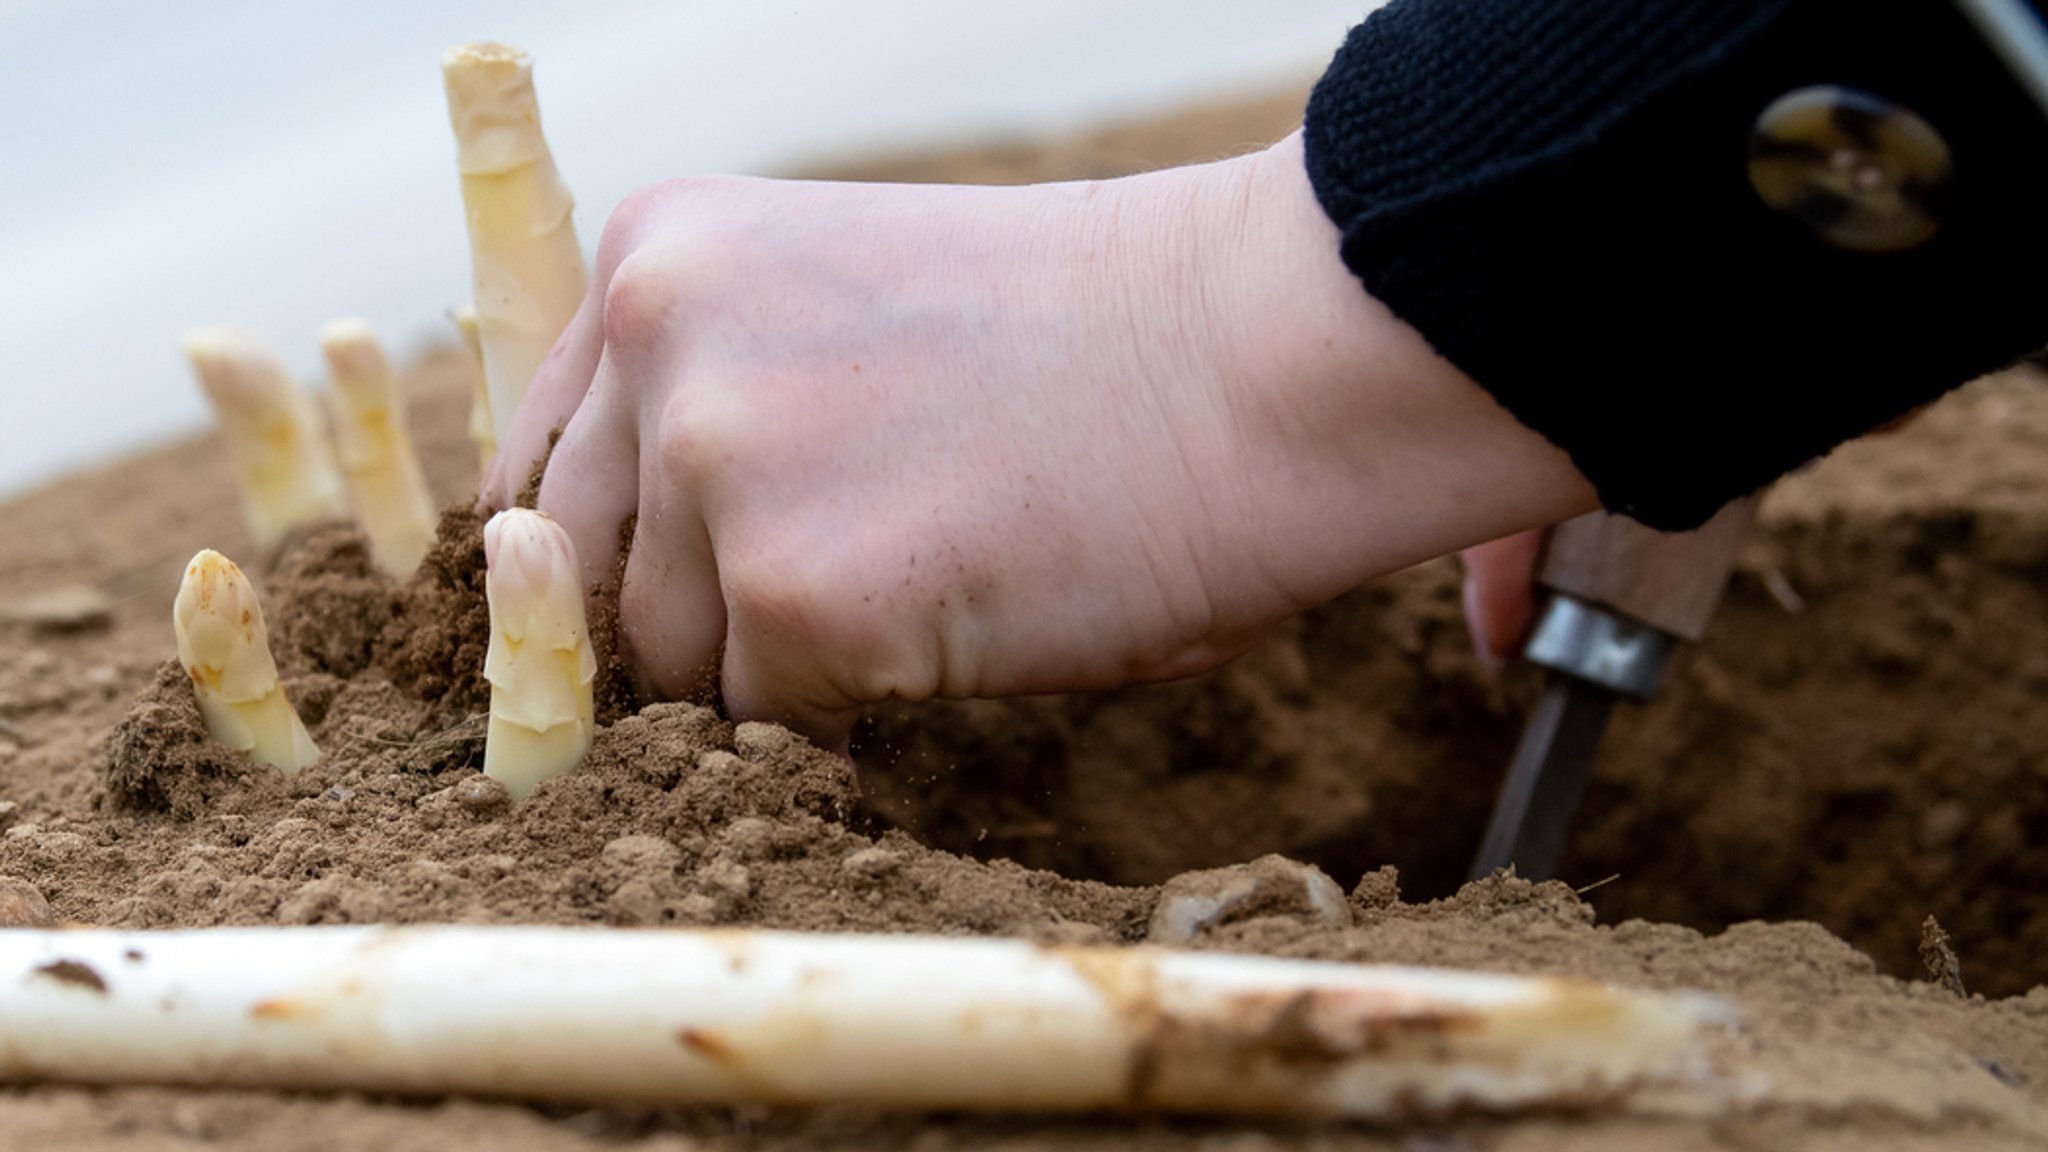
column 755, row 690
column 551, row 401
column 670, row 606
column 1500, row 593
column 592, row 483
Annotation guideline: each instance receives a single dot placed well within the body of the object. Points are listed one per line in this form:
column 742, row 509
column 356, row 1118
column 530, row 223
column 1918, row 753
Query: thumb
column 1500, row 593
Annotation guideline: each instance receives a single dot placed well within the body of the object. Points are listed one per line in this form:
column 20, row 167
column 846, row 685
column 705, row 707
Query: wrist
column 1360, row 450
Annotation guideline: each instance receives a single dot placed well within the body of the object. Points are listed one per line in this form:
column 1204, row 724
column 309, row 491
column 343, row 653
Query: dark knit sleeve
column 1556, row 194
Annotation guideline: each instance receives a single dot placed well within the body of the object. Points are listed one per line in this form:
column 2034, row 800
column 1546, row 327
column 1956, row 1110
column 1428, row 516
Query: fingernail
column 1488, row 658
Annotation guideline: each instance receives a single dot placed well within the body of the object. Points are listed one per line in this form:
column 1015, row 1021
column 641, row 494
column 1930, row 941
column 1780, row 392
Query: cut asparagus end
column 225, row 648
column 280, row 460
column 539, row 664
column 527, row 266
column 480, row 429
column 376, row 448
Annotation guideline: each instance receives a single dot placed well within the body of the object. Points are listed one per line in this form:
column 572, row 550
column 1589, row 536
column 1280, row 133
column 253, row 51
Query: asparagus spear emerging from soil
column 281, row 463
column 527, row 267
column 480, row 429
column 540, row 663
column 225, row 649
column 376, row 448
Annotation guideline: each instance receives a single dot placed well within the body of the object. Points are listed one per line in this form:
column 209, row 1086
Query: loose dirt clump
column 327, row 605
column 676, row 818
column 159, row 757
column 433, row 646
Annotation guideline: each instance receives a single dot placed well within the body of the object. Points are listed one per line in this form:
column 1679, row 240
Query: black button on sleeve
column 1862, row 172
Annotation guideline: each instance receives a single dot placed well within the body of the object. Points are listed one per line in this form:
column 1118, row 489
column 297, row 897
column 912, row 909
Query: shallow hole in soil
column 1874, row 756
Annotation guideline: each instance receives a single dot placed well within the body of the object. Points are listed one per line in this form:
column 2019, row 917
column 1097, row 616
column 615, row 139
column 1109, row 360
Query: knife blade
column 1623, row 598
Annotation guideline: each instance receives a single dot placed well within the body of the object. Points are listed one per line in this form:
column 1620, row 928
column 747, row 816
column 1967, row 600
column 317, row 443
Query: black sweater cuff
column 1556, row 194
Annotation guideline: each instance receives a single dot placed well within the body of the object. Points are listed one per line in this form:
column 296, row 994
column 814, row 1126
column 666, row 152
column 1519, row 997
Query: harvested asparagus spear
column 376, row 448
column 527, row 266
column 540, row 662
column 281, row 462
column 225, row 648
column 480, row 430
column 731, row 1016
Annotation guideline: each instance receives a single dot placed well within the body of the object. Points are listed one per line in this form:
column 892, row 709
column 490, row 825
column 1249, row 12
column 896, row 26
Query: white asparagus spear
column 280, row 459
column 225, row 648
column 899, row 1022
column 480, row 430
column 540, row 663
column 376, row 448
column 526, row 264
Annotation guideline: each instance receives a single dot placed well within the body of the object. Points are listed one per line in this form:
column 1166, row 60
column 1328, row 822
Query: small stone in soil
column 71, row 608
column 871, row 863
column 482, row 796
column 642, row 854
column 748, row 838
column 22, row 906
column 1269, row 886
column 727, row 880
column 758, row 741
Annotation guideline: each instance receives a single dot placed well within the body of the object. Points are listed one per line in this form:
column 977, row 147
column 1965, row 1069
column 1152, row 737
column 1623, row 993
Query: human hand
column 889, row 441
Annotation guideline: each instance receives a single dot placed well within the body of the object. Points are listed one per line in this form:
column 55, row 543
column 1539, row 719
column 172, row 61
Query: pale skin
column 903, row 442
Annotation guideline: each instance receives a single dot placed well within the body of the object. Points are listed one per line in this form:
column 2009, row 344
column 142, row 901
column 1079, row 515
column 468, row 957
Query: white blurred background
column 276, row 165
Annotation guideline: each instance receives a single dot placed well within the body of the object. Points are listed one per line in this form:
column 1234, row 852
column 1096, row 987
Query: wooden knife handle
column 1668, row 580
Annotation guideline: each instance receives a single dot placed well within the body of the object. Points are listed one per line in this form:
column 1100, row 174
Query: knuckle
column 700, row 438
column 670, row 247
column 637, row 215
column 670, row 209
column 638, row 300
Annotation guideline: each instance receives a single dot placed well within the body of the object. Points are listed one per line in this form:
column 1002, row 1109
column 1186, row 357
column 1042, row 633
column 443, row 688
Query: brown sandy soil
column 1856, row 743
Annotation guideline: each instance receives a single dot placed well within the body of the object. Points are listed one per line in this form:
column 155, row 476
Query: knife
column 1622, row 597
